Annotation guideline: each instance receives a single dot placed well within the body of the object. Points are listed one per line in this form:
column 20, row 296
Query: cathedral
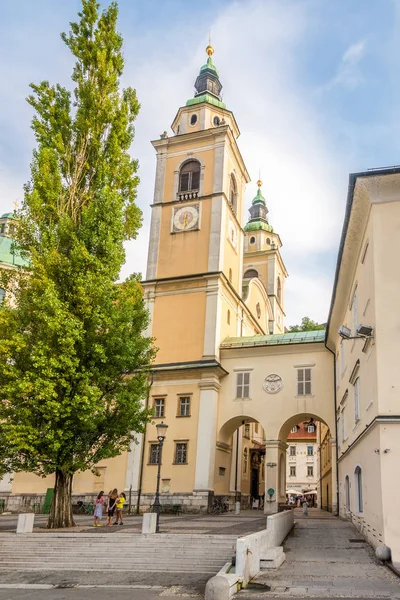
column 231, row 384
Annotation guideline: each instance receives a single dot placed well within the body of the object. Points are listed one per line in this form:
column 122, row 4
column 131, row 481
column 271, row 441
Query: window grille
column 159, row 407
column 303, row 382
column 154, row 454
column 181, row 453
column 357, row 409
column 292, row 450
column 243, row 385
column 184, row 406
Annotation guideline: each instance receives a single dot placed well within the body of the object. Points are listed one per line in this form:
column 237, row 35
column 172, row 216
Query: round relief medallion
column 273, row 384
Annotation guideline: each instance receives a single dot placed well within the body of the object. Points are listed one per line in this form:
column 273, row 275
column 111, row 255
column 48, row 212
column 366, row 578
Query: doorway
column 254, row 483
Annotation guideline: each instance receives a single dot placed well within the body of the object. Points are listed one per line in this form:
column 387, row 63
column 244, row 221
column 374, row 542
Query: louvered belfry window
column 189, row 177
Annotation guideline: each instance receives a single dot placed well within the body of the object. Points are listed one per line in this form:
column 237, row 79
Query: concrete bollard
column 149, row 524
column 383, row 553
column 25, row 523
column 217, row 588
column 237, row 508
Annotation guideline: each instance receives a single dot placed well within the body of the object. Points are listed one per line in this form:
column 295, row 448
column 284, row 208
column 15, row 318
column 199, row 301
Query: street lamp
column 161, row 432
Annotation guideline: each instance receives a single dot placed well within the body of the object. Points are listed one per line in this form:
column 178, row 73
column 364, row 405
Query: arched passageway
column 251, row 467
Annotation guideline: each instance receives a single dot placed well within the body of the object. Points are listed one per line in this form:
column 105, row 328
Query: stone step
column 149, row 569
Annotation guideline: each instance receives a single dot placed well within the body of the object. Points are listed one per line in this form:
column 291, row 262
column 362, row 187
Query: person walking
column 119, row 508
column 305, row 507
column 112, row 499
column 98, row 511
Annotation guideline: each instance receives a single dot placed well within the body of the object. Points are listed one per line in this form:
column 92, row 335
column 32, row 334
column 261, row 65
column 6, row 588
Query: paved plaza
column 325, row 558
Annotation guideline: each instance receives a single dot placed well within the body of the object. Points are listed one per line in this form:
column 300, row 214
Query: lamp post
column 161, row 431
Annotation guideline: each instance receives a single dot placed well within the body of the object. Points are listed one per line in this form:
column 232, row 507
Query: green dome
column 259, row 197
column 8, row 216
column 209, row 65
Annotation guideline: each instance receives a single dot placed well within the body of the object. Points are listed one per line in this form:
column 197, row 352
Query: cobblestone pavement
column 226, row 523
column 326, row 558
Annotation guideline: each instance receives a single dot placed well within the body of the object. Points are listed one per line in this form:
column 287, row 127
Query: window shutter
column 300, row 382
column 184, row 182
column 246, row 385
column 195, row 180
column 239, row 385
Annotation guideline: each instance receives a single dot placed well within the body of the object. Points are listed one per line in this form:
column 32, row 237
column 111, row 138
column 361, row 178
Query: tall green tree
column 73, row 358
column 307, row 324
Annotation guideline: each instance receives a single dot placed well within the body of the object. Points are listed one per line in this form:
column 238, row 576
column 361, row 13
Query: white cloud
column 348, row 73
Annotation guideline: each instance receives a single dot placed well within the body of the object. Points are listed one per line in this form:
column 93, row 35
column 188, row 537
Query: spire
column 207, row 85
column 258, row 212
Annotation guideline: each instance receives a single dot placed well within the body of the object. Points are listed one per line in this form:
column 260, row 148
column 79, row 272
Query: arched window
column 279, row 290
column 250, row 273
column 2, row 295
column 233, row 193
column 268, row 241
column 258, row 310
column 228, row 317
column 252, row 240
column 358, row 489
column 189, row 176
column 347, row 492
column 245, row 460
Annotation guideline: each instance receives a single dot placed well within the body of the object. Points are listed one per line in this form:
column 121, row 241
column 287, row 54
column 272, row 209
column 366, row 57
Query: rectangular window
column 154, row 454
column 246, row 431
column 310, row 450
column 294, row 429
column 357, row 411
column 243, row 385
column 342, row 365
column 221, row 471
column 292, row 450
column 292, row 472
column 184, row 406
column 310, row 471
column 181, row 453
column 354, row 312
column 344, row 436
column 159, row 407
column 303, row 382
column 339, row 433
column 311, row 429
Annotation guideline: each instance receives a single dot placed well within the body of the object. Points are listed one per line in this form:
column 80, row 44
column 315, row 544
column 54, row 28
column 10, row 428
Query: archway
column 301, row 462
column 240, row 462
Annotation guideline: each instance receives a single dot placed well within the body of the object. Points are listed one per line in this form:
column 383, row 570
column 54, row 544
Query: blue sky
column 314, row 85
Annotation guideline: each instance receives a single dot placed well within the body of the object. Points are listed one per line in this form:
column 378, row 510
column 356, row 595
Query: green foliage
column 307, row 325
column 73, row 360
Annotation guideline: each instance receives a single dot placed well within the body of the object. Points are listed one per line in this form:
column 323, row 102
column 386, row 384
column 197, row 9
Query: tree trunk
column 61, row 507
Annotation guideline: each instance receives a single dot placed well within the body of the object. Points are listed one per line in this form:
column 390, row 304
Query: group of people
column 114, row 508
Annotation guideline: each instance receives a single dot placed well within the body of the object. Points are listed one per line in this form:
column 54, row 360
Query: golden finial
column 209, row 49
column 259, row 183
column 15, row 205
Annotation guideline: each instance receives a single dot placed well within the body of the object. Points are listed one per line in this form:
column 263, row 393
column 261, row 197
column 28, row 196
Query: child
column 120, row 505
column 112, row 502
column 98, row 511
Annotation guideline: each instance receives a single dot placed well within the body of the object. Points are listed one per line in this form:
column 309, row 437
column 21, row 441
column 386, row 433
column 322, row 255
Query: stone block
column 25, row 523
column 149, row 523
column 218, row 588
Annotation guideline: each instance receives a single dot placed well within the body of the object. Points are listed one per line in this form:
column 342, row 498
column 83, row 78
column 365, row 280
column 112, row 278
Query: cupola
column 258, row 213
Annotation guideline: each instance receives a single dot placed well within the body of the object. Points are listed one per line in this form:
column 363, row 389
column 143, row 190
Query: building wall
column 301, row 460
column 325, row 464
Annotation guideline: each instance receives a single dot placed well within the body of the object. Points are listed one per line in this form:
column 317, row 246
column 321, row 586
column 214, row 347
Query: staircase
column 166, row 553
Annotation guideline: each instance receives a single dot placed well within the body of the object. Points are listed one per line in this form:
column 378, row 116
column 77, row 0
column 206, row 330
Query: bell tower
column 195, row 261
column 262, row 258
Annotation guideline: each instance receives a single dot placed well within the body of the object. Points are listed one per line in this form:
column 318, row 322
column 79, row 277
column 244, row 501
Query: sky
column 314, row 86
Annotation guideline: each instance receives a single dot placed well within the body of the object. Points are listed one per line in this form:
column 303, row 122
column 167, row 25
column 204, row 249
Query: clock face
column 186, row 218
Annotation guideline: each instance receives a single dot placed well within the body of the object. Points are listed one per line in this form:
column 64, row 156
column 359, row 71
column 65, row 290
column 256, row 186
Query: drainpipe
column 143, row 449
column 236, row 464
column 336, row 431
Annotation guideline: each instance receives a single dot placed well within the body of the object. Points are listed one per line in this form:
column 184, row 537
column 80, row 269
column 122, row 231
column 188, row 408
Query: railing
column 192, row 195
